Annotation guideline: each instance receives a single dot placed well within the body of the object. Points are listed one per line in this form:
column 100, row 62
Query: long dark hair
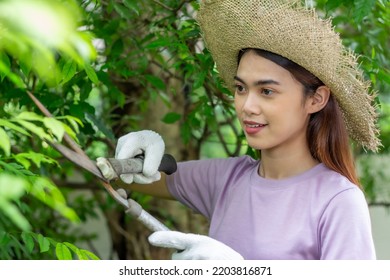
column 327, row 135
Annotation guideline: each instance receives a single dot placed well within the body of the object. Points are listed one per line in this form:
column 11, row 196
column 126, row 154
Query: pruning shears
column 134, row 165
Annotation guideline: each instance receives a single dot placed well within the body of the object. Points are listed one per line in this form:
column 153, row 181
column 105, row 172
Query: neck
column 284, row 164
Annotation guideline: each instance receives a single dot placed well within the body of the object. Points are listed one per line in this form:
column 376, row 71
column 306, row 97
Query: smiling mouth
column 252, row 128
column 253, row 124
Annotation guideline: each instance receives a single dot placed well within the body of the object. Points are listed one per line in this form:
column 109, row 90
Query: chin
column 260, row 145
column 257, row 146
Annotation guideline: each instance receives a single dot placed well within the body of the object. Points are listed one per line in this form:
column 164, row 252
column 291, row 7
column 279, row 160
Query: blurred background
column 104, row 68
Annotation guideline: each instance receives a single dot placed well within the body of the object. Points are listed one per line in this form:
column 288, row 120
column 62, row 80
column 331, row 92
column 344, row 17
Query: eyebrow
column 259, row 82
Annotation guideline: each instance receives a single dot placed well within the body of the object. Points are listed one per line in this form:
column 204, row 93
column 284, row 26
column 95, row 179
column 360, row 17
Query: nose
column 251, row 104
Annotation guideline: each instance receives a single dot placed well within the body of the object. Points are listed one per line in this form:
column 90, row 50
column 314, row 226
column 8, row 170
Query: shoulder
column 328, row 189
column 340, row 195
column 331, row 182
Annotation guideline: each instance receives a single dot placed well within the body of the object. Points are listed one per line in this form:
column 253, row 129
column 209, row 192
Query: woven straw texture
column 287, row 28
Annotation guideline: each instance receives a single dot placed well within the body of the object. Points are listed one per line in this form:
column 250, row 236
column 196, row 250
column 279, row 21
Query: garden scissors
column 76, row 155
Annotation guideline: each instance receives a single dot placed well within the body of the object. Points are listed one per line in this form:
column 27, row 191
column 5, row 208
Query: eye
column 239, row 88
column 267, row 91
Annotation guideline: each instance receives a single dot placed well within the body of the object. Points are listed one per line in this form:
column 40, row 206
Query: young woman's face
column 270, row 104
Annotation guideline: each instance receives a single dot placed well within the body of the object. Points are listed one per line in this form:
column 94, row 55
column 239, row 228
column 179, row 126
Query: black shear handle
column 168, row 165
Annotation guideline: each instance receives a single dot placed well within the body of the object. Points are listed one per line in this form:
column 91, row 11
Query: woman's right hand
column 147, row 143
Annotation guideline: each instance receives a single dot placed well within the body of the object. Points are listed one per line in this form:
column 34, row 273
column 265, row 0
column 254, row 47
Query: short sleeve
column 196, row 183
column 345, row 228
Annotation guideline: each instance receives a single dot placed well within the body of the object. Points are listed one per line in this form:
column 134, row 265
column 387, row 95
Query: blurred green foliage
column 38, row 41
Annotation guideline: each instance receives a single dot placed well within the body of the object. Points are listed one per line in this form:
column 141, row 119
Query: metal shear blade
column 81, row 160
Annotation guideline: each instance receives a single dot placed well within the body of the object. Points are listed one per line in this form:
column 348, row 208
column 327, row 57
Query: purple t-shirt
column 318, row 214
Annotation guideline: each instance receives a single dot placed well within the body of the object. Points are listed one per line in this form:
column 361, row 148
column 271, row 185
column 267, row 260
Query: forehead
column 253, row 67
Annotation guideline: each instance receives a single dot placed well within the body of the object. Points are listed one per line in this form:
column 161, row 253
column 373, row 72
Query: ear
column 318, row 100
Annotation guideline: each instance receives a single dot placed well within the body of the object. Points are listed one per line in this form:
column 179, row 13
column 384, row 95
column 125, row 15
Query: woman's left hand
column 193, row 246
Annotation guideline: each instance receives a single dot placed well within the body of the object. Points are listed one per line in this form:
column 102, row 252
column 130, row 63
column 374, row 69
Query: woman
column 302, row 199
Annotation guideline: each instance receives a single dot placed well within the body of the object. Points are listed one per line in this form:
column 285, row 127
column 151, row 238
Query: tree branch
column 163, row 5
column 379, row 204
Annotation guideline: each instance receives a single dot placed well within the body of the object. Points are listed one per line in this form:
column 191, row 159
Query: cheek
column 293, row 118
column 286, row 114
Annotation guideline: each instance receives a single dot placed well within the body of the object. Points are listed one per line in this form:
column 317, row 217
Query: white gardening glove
column 193, row 246
column 148, row 143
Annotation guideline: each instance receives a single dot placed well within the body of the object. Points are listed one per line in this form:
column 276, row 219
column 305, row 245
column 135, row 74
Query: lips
column 252, row 127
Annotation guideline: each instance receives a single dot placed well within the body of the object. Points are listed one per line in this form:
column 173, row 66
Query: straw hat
column 287, row 28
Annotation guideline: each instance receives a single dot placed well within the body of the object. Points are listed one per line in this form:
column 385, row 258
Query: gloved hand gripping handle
column 113, row 168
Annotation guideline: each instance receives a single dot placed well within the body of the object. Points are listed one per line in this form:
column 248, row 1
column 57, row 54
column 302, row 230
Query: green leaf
column 62, row 252
column 5, row 142
column 384, row 75
column 333, row 4
column 28, row 241
column 13, row 213
column 81, row 255
column 79, row 110
column 122, row 11
column 199, row 80
column 16, row 169
column 68, row 71
column 6, row 64
column 36, row 158
column 23, row 161
column 44, row 243
column 56, row 127
column 362, row 8
column 373, row 53
column 171, row 117
column 91, row 74
column 6, row 72
column 192, row 33
column 159, row 43
column 35, row 129
column 70, row 131
column 29, row 116
column 87, row 255
column 4, row 238
column 10, row 125
column 74, row 122
column 11, row 187
column 155, row 81
column 100, row 125
column 132, row 5
column 117, row 47
column 74, row 249
column 44, row 190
